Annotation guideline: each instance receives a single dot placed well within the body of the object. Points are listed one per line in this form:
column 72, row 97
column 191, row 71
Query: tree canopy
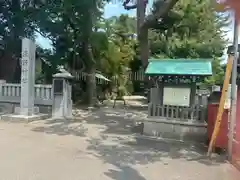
column 84, row 41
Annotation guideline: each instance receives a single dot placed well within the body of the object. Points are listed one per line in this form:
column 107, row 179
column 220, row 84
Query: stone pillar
column 27, row 77
column 62, row 96
column 1, row 83
column 155, row 96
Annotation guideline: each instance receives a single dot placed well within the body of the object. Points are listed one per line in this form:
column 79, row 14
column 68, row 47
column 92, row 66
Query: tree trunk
column 144, row 48
column 91, row 86
column 144, row 24
column 17, row 73
column 144, row 54
column 141, row 9
column 7, row 67
column 91, row 70
column 10, row 69
column 142, row 33
column 89, row 59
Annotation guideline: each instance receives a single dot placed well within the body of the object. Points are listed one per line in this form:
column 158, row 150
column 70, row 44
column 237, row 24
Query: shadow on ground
column 124, row 154
column 116, row 144
column 62, row 127
column 117, row 120
column 124, row 172
column 143, row 151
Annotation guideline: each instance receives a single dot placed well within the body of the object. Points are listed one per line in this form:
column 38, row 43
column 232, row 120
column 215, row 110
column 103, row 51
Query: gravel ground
column 100, row 146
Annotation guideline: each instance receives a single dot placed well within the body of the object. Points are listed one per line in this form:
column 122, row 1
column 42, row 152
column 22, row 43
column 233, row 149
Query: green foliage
column 15, row 23
column 72, row 24
column 82, row 40
column 218, row 74
column 117, row 56
column 191, row 30
column 67, row 23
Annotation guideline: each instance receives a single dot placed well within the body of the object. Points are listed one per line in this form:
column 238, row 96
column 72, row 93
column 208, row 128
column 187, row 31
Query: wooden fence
column 133, row 76
column 178, row 113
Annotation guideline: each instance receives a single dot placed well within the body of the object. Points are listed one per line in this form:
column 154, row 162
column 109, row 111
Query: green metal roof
column 201, row 67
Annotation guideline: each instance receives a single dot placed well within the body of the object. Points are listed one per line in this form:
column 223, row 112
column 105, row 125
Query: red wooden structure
column 236, row 141
column 222, row 139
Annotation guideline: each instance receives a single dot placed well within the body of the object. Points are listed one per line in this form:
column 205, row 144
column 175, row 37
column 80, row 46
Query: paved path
column 98, row 147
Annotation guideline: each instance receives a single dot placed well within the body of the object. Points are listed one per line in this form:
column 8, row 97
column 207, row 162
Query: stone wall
column 194, row 131
column 9, row 108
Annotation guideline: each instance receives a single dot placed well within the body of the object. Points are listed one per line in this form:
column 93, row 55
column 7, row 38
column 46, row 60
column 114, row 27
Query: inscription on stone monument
column 24, row 71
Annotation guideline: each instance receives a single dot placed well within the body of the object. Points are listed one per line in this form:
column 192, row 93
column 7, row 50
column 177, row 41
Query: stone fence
column 11, row 93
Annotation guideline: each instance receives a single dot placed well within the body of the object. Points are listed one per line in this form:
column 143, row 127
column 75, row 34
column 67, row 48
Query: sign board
column 176, row 96
column 216, row 88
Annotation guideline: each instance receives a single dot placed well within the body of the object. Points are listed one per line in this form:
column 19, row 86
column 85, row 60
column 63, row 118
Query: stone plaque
column 58, row 86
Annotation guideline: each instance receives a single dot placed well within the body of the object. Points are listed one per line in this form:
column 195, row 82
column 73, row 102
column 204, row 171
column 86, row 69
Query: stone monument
column 27, row 77
column 27, row 111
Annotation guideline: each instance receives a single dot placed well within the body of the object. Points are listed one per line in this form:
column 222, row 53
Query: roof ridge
column 181, row 59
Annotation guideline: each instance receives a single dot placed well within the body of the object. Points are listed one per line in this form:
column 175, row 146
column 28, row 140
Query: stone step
column 17, row 110
column 22, row 118
column 175, row 131
column 6, row 108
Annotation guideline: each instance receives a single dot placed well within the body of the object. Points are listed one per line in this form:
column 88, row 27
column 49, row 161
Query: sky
column 111, row 9
column 116, row 9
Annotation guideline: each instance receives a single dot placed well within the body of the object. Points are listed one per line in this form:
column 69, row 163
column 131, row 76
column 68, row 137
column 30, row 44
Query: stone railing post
column 1, row 84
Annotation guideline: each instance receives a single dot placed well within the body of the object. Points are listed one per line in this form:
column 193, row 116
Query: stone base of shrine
column 22, row 118
column 180, row 131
